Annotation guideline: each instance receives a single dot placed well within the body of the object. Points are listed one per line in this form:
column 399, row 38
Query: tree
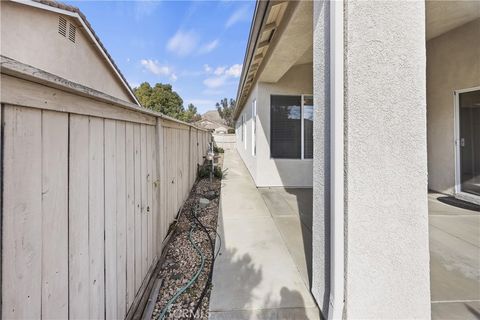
column 225, row 110
column 160, row 98
column 191, row 115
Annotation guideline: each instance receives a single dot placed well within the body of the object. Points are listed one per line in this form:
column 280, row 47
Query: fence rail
column 90, row 186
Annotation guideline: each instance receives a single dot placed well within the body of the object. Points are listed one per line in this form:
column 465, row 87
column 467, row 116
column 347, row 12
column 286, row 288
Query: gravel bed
column 182, row 260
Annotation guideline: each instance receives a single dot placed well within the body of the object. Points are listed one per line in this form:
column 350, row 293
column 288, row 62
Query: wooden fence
column 90, row 186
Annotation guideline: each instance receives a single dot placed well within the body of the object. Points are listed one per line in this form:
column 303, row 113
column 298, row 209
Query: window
column 307, row 127
column 254, row 127
column 244, row 132
column 291, row 127
column 241, row 126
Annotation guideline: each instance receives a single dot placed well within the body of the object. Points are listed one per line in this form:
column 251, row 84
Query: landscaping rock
column 203, row 203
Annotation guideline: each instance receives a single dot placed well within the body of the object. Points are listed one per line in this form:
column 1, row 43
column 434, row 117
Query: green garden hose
column 191, row 281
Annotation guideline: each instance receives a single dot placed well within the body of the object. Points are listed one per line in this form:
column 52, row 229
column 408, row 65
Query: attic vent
column 62, row 26
column 71, row 32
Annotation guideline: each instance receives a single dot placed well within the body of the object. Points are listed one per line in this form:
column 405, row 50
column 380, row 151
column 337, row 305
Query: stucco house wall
column 281, row 172
column 245, row 149
column 25, row 29
column 386, row 210
column 452, row 63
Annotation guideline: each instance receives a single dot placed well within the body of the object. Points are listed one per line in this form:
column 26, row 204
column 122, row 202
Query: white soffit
column 443, row 16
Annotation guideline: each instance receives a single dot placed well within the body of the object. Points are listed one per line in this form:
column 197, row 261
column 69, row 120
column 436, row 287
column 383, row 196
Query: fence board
column 96, row 219
column 121, row 221
column 130, row 189
column 22, row 216
column 54, row 215
column 149, row 211
column 138, row 211
column 143, row 173
column 110, row 220
column 78, row 218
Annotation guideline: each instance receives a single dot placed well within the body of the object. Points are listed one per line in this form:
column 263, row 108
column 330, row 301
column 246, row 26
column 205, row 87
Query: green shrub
column 218, row 173
column 218, row 149
column 204, row 171
column 230, row 131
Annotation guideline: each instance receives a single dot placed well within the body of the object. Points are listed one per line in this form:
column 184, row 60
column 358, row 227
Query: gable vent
column 71, row 32
column 62, row 26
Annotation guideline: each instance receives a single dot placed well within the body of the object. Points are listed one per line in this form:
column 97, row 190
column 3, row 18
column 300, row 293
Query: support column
column 321, row 158
column 384, row 202
column 386, row 210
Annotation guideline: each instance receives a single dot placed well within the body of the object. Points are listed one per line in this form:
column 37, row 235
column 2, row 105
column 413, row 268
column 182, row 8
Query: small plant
column 218, row 173
column 230, row 131
column 204, row 172
column 218, row 149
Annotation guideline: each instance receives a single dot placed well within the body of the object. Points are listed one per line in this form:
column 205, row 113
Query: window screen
column 285, row 127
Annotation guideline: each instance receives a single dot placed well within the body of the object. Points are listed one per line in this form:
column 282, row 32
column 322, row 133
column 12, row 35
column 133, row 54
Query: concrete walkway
column 254, row 277
column 454, row 260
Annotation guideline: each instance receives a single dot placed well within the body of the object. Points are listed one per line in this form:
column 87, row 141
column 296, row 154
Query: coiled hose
column 191, row 281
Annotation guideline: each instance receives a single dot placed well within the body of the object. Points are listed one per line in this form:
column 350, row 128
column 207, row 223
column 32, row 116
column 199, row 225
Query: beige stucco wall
column 265, row 170
column 453, row 62
column 386, row 210
column 282, row 172
column 245, row 149
column 30, row 35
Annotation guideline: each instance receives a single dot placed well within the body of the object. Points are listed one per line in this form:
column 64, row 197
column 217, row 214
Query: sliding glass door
column 468, row 142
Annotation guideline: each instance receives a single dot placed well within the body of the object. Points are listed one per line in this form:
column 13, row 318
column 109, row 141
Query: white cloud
column 219, row 71
column 215, row 82
column 182, row 43
column 221, row 75
column 144, row 9
column 207, row 68
column 156, row 68
column 241, row 14
column 234, row 71
column 209, row 47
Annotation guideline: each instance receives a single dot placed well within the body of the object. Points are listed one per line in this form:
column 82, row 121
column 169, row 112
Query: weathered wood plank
column 121, row 221
column 161, row 164
column 22, row 216
column 138, row 211
column 155, row 195
column 96, row 219
column 110, row 219
column 130, row 189
column 144, row 195
column 78, row 218
column 149, row 209
column 29, row 94
column 54, row 215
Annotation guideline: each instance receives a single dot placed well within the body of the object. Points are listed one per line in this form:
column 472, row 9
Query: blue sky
column 197, row 46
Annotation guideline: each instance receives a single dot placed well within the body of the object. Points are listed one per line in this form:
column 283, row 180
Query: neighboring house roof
column 267, row 18
column 214, row 116
column 211, row 125
column 76, row 13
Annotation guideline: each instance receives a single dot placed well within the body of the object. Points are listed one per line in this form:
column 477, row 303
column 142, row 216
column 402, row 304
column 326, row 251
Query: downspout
column 337, row 274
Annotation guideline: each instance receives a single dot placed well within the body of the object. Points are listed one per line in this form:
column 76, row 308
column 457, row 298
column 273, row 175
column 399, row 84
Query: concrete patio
column 255, row 277
column 454, row 259
column 264, row 272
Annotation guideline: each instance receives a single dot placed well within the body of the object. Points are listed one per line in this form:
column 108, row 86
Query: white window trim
column 254, row 124
column 302, row 128
column 458, row 181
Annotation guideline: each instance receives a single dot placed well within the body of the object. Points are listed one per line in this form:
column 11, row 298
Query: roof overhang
column 268, row 18
column 443, row 16
column 73, row 12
